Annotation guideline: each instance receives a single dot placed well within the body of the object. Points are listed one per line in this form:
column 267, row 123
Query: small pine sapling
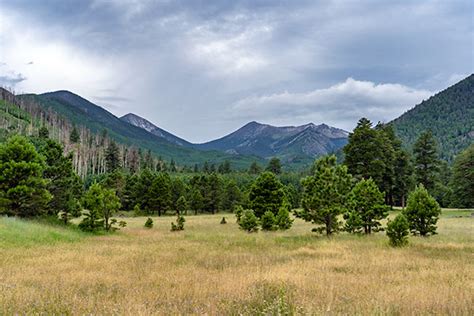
column 149, row 223
column 248, row 221
column 398, row 230
column 223, row 221
column 268, row 221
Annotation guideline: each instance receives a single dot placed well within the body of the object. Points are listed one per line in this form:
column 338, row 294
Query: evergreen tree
column 181, row 205
column 398, row 230
column 274, row 165
column 426, row 160
column 23, row 191
column 224, row 167
column 74, row 136
column 463, row 179
column 248, row 221
column 43, row 133
column 63, row 183
column 422, row 212
column 231, row 195
column 266, row 194
column 368, row 208
column 283, row 220
column 364, row 153
column 196, row 200
column 112, row 157
column 102, row 204
column 160, row 193
column 268, row 221
column 148, row 223
column 403, row 177
column 254, row 168
column 325, row 194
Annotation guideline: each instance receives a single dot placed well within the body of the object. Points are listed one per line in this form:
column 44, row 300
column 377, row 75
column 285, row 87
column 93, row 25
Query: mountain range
column 448, row 114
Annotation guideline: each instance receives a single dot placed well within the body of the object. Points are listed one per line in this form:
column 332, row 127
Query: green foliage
column 149, row 223
column 63, row 183
column 367, row 208
column 325, row 194
column 223, row 221
column 74, row 136
column 274, row 165
column 266, row 194
column 239, row 211
column 268, row 221
column 398, row 230
column 159, row 194
column 283, row 220
column 449, row 115
column 181, row 205
column 248, row 221
column 422, row 212
column 426, row 160
column 197, row 201
column 254, row 168
column 179, row 223
column 102, row 204
column 23, row 191
column 462, row 181
column 137, row 211
column 112, row 157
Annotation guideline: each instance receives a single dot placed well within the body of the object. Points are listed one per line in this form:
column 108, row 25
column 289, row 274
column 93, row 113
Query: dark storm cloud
column 225, row 62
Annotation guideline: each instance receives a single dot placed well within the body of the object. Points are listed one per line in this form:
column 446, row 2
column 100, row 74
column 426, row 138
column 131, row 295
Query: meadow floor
column 218, row 269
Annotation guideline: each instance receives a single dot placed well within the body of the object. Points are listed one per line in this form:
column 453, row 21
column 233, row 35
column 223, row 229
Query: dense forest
column 449, row 115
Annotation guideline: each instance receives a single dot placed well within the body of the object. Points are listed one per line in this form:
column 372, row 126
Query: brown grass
column 217, row 269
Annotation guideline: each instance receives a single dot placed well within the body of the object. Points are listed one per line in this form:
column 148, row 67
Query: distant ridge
column 287, row 142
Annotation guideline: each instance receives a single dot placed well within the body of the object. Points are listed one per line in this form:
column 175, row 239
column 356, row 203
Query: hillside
column 82, row 112
column 289, row 143
column 449, row 115
column 155, row 130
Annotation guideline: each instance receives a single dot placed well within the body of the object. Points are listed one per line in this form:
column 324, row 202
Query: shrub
column 223, row 221
column 179, row 224
column 268, row 221
column 283, row 220
column 149, row 223
column 249, row 221
column 137, row 211
column 398, row 230
column 239, row 210
column 422, row 212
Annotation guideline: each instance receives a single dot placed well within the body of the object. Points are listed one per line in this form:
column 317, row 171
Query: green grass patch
column 16, row 232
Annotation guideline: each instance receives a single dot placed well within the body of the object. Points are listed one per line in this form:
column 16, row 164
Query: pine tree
column 422, row 212
column 43, row 132
column 102, row 204
column 196, row 201
column 254, row 168
column 325, row 194
column 268, row 221
column 274, row 165
column 462, row 180
column 398, row 230
column 181, row 205
column 364, row 153
column 248, row 221
column 367, row 207
column 159, row 194
column 426, row 160
column 74, row 136
column 266, row 194
column 403, row 177
column 23, row 191
column 112, row 157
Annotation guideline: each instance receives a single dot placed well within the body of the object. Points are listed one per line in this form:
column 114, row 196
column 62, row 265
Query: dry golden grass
column 217, row 269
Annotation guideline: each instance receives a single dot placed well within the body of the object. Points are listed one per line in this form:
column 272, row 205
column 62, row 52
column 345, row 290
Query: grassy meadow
column 218, row 269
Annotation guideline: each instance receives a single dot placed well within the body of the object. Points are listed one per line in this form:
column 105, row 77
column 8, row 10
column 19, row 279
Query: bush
column 239, row 210
column 249, row 221
column 137, row 211
column 149, row 223
column 268, row 221
column 422, row 212
column 223, row 221
column 398, row 230
column 179, row 224
column 283, row 220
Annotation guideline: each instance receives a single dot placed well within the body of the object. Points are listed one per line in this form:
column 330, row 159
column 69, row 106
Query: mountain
column 288, row 143
column 80, row 111
column 138, row 121
column 449, row 115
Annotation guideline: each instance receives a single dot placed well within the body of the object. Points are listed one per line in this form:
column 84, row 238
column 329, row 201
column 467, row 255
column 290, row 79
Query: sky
column 202, row 69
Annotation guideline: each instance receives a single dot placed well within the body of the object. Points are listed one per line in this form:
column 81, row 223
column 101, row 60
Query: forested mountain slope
column 82, row 112
column 449, row 115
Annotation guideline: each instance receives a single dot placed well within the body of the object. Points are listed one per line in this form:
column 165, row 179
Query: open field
column 218, row 269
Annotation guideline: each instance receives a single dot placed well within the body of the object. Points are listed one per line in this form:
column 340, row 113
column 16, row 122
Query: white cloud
column 341, row 104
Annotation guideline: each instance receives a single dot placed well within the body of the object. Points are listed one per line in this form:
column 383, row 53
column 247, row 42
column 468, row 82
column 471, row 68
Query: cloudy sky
column 201, row 69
